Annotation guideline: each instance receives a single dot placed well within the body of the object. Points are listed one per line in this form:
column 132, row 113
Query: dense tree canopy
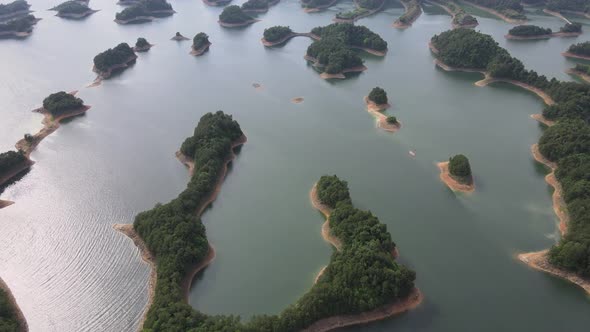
column 20, row 24
column 13, row 7
column 201, row 39
column 10, row 159
column 113, row 56
column 8, row 318
column 413, row 10
column 144, row 8
column 331, row 190
column 61, row 102
column 352, row 35
column 71, row 7
column 276, row 33
column 378, row 96
column 571, row 27
column 234, row 14
column 510, row 8
column 573, row 5
column 316, row 3
column 333, row 55
column 141, row 43
column 255, row 5
column 580, row 49
column 459, row 167
column 529, row 30
column 369, row 4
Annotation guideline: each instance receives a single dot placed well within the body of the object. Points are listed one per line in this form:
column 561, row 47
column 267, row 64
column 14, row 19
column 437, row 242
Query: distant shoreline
column 398, row 24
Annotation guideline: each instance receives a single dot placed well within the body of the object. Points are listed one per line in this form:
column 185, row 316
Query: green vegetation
column 61, row 102
column 142, row 43
column 460, row 169
column 255, row 5
column 460, row 17
column 14, row 7
column 529, row 31
column 71, row 7
column 119, row 55
column 200, row 40
column 21, row 24
column 234, row 15
column 352, row 35
column 145, row 8
column 585, row 69
column 363, row 8
column 567, row 142
column 391, row 120
column 8, row 318
column 8, row 160
column 573, row 27
column 378, row 96
column 311, row 4
column 370, row 4
column 580, row 49
column 413, row 10
column 510, row 8
column 573, row 5
column 276, row 33
column 361, row 277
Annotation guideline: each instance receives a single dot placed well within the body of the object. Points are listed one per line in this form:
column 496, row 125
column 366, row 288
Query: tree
column 201, row 39
column 459, row 166
column 378, row 96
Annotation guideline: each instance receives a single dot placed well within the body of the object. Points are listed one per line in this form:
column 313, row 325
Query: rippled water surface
column 70, row 271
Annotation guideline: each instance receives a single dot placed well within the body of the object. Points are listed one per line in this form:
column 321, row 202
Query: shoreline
column 320, row 8
column 398, row 24
column 542, row 119
column 143, row 49
column 283, row 40
column 454, row 185
column 539, row 260
column 77, row 16
column 375, row 110
column 103, row 75
column 26, row 164
column 216, row 3
column 200, row 51
column 497, row 14
column 143, row 19
column 24, row 327
column 368, row 13
column 579, row 74
column 147, row 256
column 547, row 36
column 179, row 38
column 325, row 210
column 237, row 25
column 389, row 310
column 453, row 15
column 575, row 56
column 556, row 14
column 339, row 75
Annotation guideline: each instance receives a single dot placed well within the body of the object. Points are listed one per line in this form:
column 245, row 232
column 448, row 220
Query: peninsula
column 234, row 17
column 144, row 11
column 118, row 58
column 201, row 44
column 528, row 32
column 456, row 174
column 565, row 144
column 18, row 27
column 377, row 102
column 258, row 6
column 578, row 51
column 73, row 9
column 460, row 18
column 161, row 231
column 412, row 11
column 142, row 45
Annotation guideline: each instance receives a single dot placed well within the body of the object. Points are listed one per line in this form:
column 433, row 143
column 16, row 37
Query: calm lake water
column 70, row 271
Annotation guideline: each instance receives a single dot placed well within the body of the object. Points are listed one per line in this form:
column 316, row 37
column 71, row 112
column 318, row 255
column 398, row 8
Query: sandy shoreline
column 550, row 35
column 454, row 185
column 319, row 8
column 384, row 312
column 27, row 163
column 24, row 327
column 341, row 75
column 575, row 56
column 77, row 16
column 579, row 74
column 325, row 210
column 496, row 13
column 237, row 25
column 200, row 51
column 539, row 117
column 382, row 123
column 147, row 256
column 398, row 24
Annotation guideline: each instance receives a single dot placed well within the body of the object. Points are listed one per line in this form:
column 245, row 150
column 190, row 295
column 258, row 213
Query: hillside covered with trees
column 200, row 40
column 145, row 8
column 460, row 169
column 413, row 10
column 580, row 49
column 61, row 102
column 71, row 7
column 234, row 15
column 378, row 96
column 566, row 143
column 571, row 5
column 276, row 33
column 119, row 55
column 22, row 24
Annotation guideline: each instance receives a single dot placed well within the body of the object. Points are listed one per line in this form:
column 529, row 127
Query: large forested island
column 580, row 51
column 233, row 16
column 19, row 27
column 175, row 236
column 73, row 9
column 144, row 11
column 363, row 8
column 113, row 59
column 536, row 32
column 511, row 11
column 413, row 11
column 565, row 145
column 333, row 53
column 14, row 9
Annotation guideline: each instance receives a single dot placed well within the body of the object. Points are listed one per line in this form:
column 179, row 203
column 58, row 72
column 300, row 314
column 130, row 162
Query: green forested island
column 378, row 96
column 61, row 102
column 277, row 33
column 15, row 8
column 413, row 10
column 201, row 43
column 529, row 31
column 511, row 9
column 580, row 49
column 234, row 16
column 142, row 45
column 363, row 8
column 73, row 9
column 460, row 169
column 567, row 143
column 257, row 6
column 315, row 5
column 144, row 11
column 582, row 6
column 9, row 321
column 18, row 27
column 113, row 58
column 361, row 277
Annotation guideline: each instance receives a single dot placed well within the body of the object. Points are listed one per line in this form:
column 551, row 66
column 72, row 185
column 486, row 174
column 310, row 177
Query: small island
column 363, row 8
column 11, row 317
column 234, row 17
column 510, row 11
column 377, row 102
column 144, row 11
column 456, row 174
column 20, row 27
column 258, row 6
column 460, row 18
column 14, row 9
column 527, row 32
column 179, row 37
column 312, row 6
column 201, row 44
column 73, row 9
column 278, row 35
column 578, row 51
column 117, row 58
column 413, row 11
column 12, row 163
column 217, row 3
column 332, row 54
column 142, row 45
column 581, row 71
